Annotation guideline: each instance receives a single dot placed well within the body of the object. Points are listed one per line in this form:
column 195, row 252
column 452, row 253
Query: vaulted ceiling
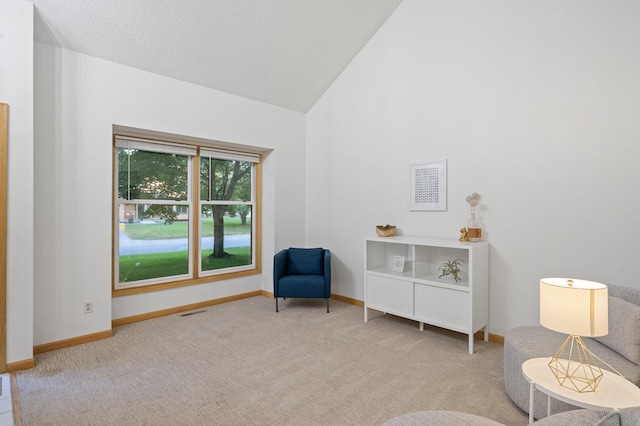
column 282, row 52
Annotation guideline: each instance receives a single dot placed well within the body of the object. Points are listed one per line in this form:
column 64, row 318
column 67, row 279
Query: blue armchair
column 302, row 272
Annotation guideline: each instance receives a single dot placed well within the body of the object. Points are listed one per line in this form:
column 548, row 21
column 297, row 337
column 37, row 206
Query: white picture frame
column 398, row 264
column 428, row 190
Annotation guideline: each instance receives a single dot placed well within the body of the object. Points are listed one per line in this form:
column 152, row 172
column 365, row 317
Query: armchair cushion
column 303, row 286
column 305, row 261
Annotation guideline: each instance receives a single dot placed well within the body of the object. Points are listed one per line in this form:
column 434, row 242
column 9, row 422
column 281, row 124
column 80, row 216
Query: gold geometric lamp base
column 582, row 374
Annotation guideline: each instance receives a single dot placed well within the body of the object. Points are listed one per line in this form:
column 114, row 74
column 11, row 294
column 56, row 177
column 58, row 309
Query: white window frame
column 227, row 155
column 164, row 148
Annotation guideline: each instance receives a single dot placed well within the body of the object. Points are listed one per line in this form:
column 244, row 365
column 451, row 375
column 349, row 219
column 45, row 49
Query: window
column 168, row 232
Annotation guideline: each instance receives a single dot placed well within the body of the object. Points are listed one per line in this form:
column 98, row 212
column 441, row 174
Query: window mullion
column 194, row 239
column 128, row 176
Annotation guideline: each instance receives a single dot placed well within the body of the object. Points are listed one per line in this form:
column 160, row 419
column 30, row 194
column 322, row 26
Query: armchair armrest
column 279, row 268
column 327, row 271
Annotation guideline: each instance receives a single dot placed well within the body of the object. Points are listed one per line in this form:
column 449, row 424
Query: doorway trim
column 4, row 124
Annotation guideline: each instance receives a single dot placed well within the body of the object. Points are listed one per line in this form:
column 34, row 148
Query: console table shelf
column 418, row 293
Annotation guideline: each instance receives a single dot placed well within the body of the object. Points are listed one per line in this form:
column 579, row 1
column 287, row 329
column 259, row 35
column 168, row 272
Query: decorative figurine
column 463, row 235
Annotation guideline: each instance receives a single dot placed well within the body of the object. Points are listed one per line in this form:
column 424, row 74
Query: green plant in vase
column 451, row 267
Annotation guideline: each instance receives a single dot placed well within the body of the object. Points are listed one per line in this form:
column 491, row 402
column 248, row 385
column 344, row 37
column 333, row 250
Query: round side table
column 613, row 392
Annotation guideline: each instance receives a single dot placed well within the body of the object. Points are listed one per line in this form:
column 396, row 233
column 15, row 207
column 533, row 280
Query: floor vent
column 192, row 313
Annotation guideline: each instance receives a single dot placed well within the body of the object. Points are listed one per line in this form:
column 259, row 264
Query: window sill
column 182, row 283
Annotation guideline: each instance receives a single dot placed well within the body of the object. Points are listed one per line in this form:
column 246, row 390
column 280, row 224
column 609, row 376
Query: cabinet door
column 442, row 307
column 390, row 295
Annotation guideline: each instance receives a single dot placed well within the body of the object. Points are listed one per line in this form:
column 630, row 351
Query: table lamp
column 577, row 308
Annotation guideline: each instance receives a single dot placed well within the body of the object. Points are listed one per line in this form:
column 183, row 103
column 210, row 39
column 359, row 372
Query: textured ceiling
column 283, row 52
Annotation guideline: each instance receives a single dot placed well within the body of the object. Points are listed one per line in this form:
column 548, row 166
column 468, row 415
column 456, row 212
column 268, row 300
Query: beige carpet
column 241, row 363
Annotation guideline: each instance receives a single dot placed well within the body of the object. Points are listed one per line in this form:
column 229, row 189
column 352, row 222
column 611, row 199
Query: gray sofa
column 624, row 417
column 620, row 348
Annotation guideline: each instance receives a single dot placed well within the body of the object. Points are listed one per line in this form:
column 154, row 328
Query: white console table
column 418, row 293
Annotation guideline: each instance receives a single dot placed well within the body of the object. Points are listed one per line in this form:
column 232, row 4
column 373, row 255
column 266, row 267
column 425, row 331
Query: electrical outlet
column 88, row 306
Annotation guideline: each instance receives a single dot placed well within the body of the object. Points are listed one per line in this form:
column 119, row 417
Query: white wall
column 16, row 89
column 78, row 100
column 534, row 104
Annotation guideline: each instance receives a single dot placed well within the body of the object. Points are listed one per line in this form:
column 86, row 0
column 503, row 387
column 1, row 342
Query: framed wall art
column 429, row 186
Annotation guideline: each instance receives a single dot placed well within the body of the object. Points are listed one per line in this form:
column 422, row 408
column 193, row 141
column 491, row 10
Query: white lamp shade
column 580, row 309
